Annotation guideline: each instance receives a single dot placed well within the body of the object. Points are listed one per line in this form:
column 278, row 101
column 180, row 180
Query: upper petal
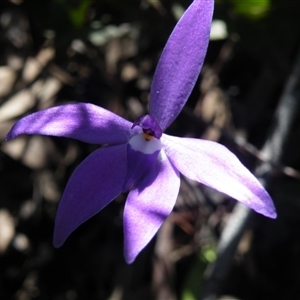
column 148, row 205
column 82, row 121
column 215, row 166
column 180, row 63
column 94, row 184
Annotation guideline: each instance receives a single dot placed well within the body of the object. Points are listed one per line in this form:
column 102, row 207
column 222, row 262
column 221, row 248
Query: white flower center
column 139, row 143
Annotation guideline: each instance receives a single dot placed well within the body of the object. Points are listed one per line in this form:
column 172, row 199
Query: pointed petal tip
column 272, row 214
column 129, row 258
column 10, row 135
column 57, row 243
column 59, row 236
column 260, row 200
column 265, row 208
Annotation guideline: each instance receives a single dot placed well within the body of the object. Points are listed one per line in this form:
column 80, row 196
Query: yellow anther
column 147, row 137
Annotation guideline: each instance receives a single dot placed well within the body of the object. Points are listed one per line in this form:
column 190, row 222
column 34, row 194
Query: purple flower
column 138, row 157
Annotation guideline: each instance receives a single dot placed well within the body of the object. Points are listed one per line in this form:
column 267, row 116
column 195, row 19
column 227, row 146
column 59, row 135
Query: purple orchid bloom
column 138, row 157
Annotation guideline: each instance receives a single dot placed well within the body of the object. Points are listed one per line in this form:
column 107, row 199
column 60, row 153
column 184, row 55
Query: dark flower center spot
column 148, row 134
column 150, row 127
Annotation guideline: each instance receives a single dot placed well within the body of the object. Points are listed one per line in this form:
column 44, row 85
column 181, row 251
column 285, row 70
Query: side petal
column 93, row 185
column 215, row 166
column 180, row 63
column 82, row 121
column 148, row 205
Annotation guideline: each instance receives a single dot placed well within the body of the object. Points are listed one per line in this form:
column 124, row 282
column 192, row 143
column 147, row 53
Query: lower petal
column 148, row 205
column 141, row 155
column 215, row 166
column 93, row 185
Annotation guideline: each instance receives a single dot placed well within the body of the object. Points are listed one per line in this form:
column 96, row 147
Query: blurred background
column 105, row 52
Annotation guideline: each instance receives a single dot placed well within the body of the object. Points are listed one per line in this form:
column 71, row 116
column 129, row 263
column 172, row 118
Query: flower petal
column 215, row 166
column 93, row 185
column 82, row 121
column 180, row 63
column 141, row 155
column 148, row 205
